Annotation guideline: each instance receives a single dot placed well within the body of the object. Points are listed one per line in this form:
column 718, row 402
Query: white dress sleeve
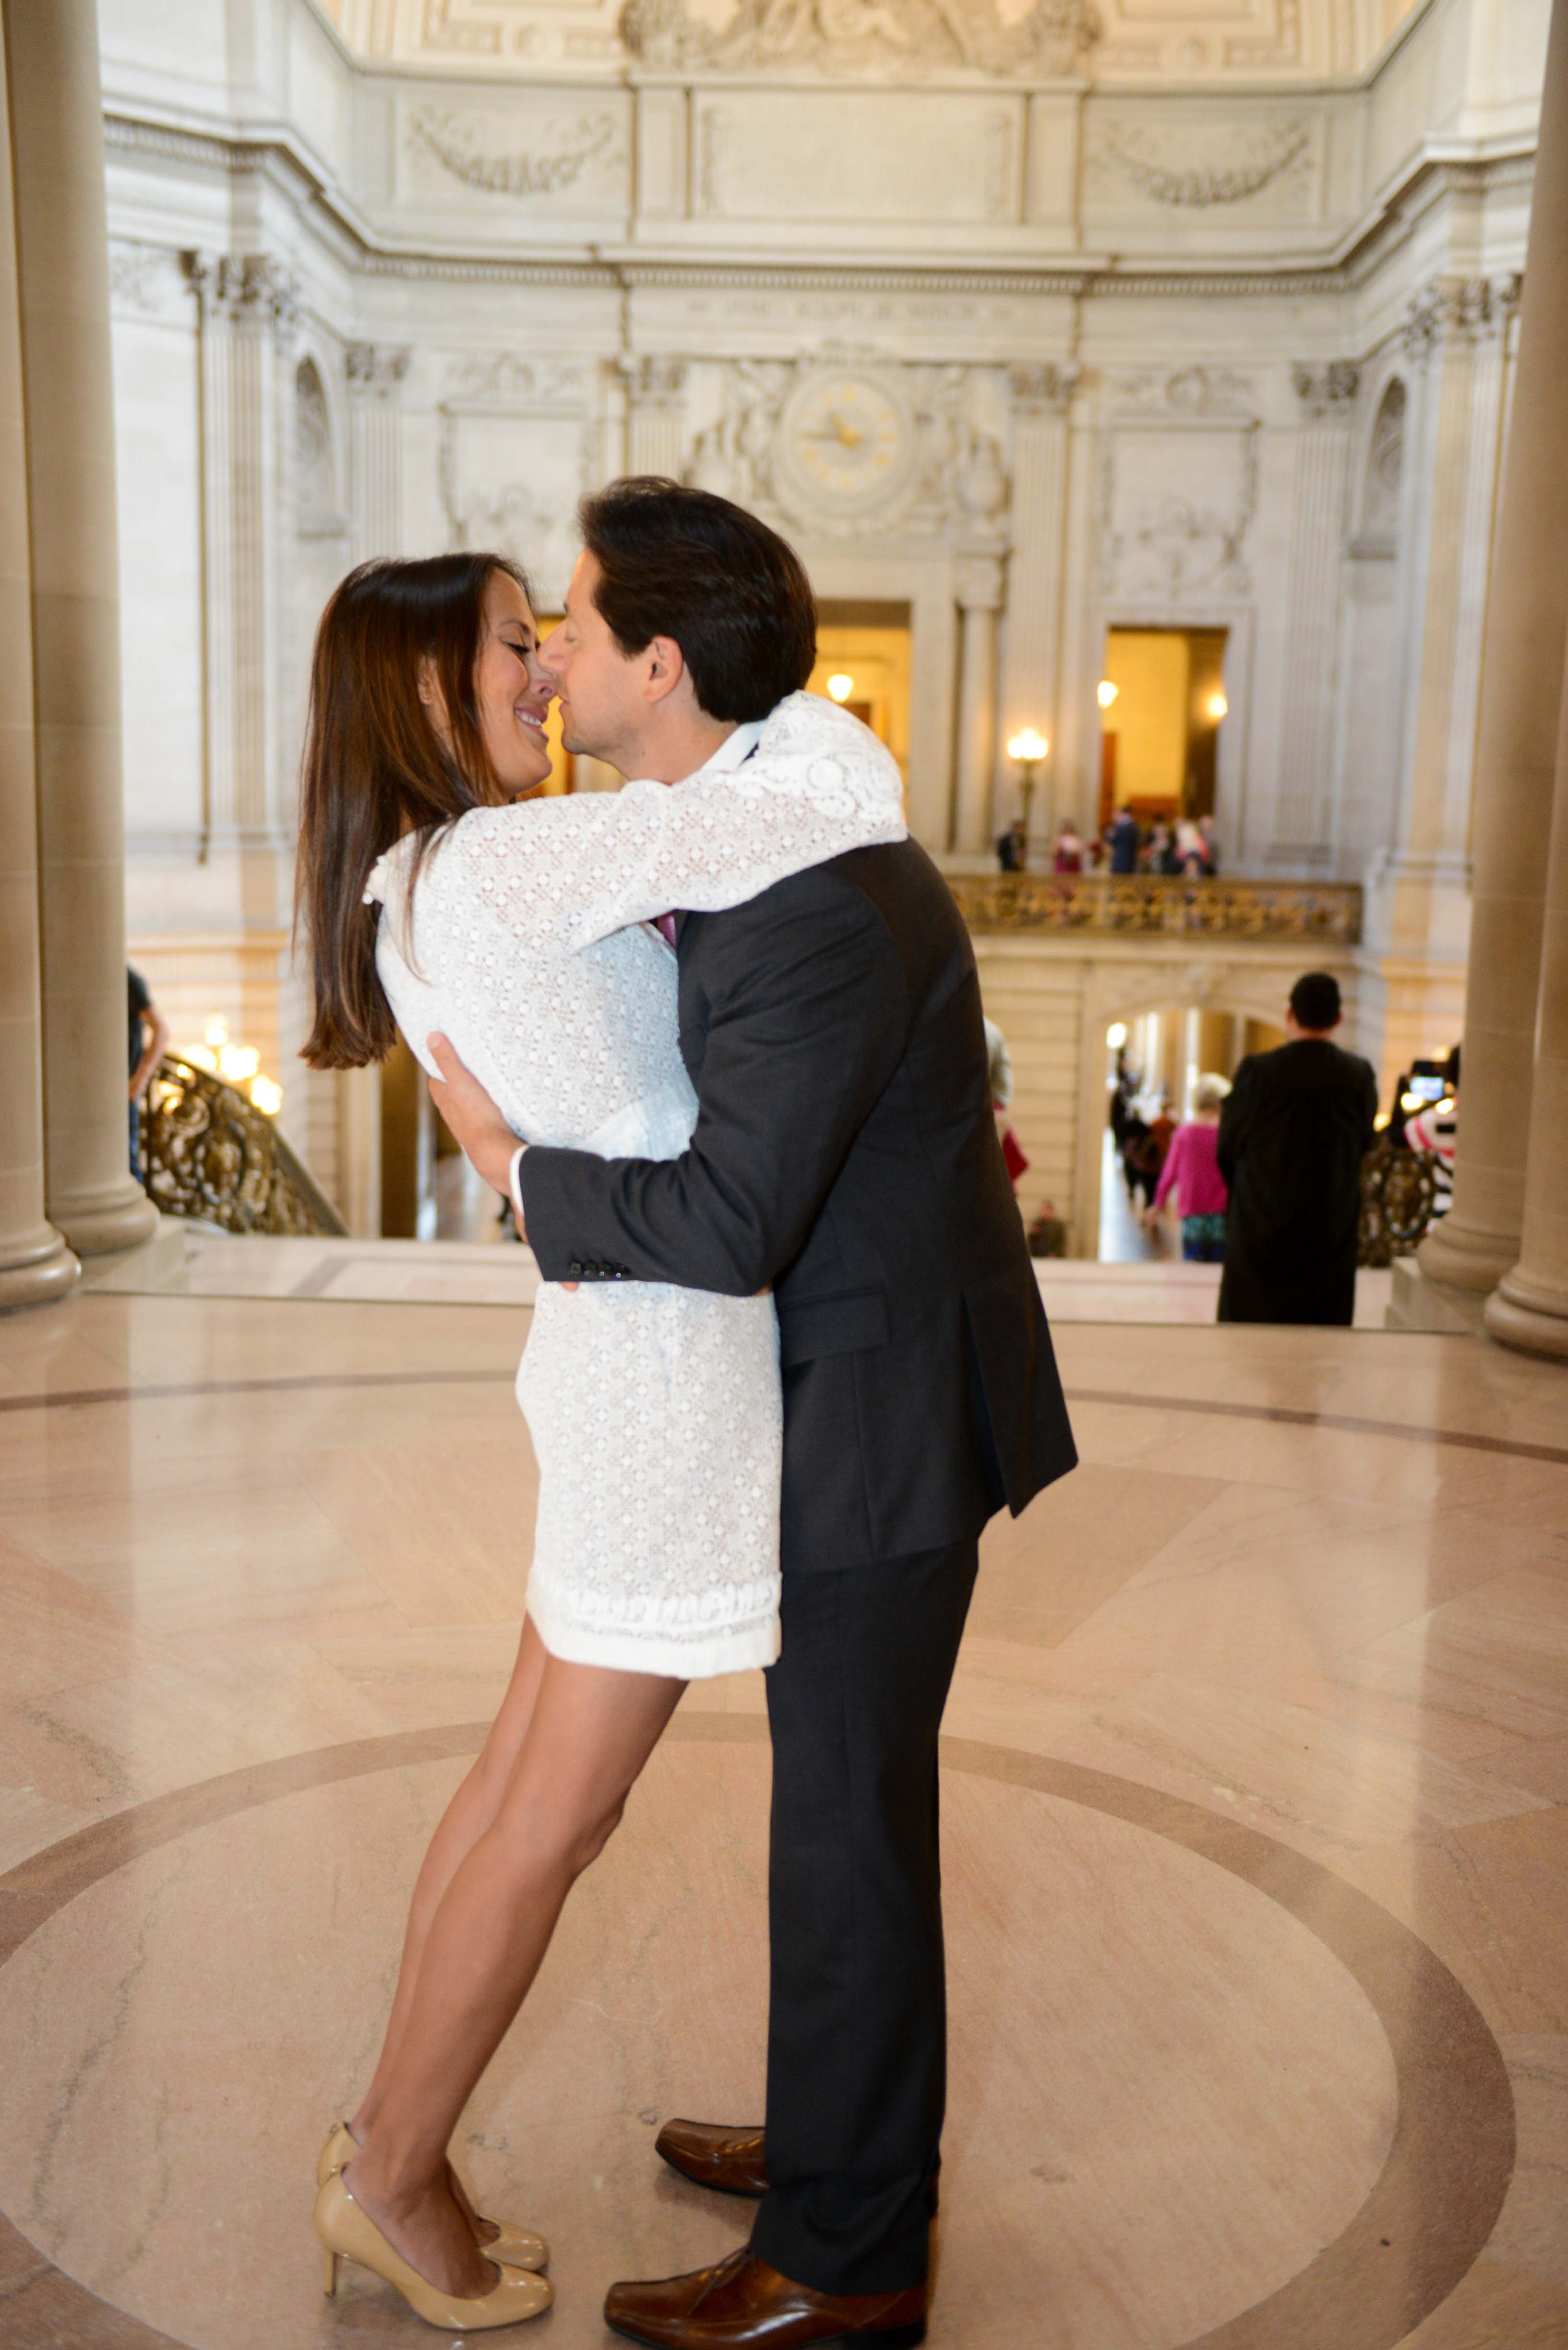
column 566, row 872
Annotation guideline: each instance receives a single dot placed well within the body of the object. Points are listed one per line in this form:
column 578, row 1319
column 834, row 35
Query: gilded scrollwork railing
column 209, row 1153
column 1150, row 905
column 1398, row 1193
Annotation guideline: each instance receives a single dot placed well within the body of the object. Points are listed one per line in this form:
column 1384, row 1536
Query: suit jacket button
column 575, row 1266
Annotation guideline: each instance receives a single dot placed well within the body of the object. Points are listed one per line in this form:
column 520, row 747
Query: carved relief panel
column 1179, row 486
column 897, row 156
column 515, row 454
column 526, row 154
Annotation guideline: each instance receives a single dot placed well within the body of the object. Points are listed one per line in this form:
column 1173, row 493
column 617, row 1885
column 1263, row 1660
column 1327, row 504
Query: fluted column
column 247, row 303
column 657, row 422
column 1041, row 396
column 1327, row 394
column 57, row 140
column 1522, row 671
column 35, row 1262
column 375, row 373
column 1530, row 1306
column 979, row 600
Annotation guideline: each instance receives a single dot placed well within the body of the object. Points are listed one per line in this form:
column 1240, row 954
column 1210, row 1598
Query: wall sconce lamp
column 1106, row 692
column 1215, row 706
column 841, row 687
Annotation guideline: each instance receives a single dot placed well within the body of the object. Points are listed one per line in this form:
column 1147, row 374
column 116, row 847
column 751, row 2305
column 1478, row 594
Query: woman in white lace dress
column 525, row 933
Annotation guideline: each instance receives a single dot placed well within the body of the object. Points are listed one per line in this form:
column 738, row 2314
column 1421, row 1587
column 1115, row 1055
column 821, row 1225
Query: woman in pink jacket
column 1191, row 1170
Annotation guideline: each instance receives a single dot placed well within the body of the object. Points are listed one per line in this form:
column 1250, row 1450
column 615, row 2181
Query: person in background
column 1190, row 856
column 1160, row 854
column 1210, row 843
column 1000, row 1064
column 147, row 1041
column 1067, row 857
column 1191, row 1171
column 1013, row 849
column 1294, row 1131
column 1162, row 1127
column 1124, row 842
column 1436, row 1129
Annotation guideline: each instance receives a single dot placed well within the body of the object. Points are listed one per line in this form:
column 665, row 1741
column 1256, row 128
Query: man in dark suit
column 845, row 1152
column 1295, row 1127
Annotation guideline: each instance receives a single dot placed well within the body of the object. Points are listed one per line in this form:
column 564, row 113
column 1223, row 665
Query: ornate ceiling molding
column 454, row 143
column 1188, row 183
column 902, row 38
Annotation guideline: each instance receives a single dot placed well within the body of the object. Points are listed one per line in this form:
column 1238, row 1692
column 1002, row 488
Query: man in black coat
column 845, row 1152
column 1295, row 1127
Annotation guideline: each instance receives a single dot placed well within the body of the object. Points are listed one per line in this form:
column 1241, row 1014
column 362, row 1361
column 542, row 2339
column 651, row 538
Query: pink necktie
column 665, row 925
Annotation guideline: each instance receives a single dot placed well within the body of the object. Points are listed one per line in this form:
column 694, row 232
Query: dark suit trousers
column 857, row 2025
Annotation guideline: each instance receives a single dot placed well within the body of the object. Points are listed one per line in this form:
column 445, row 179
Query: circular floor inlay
column 1167, row 2095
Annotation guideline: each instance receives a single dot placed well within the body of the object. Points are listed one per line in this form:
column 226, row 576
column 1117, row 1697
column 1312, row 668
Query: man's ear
column 666, row 669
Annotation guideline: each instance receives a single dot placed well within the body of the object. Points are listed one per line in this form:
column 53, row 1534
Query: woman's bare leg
column 588, row 1736
column 470, row 1813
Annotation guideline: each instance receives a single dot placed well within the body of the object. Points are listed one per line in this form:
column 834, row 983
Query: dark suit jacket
column 1294, row 1131
column 845, row 1150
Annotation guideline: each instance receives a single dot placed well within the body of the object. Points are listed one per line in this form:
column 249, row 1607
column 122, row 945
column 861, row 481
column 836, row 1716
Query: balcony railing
column 1148, row 905
column 210, row 1154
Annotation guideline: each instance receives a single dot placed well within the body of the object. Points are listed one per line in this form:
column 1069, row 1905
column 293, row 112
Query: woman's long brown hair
column 374, row 768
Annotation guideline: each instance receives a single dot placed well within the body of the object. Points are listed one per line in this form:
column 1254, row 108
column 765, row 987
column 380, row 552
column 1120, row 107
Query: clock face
column 845, row 439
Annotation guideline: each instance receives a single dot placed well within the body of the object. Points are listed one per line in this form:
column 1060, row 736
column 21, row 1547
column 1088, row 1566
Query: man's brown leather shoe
column 743, row 2304
column 730, row 2160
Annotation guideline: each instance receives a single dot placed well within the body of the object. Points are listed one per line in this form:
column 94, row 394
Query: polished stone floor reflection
column 1257, row 1848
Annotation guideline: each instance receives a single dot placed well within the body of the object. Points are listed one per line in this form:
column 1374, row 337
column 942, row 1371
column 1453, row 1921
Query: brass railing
column 208, row 1153
column 1151, row 905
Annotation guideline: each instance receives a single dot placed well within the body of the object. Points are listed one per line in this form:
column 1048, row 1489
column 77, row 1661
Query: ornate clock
column 845, row 440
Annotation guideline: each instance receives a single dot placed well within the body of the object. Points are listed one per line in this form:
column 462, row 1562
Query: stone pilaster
column 1031, row 685
column 55, row 116
column 1327, row 393
column 35, row 1262
column 375, row 373
column 656, row 425
column 247, row 305
column 1520, row 706
column 979, row 584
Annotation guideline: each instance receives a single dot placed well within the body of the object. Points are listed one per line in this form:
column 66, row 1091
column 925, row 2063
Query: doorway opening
column 864, row 663
column 1162, row 704
column 1152, row 1066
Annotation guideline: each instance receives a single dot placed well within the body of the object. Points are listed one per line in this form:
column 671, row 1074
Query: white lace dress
column 655, row 1411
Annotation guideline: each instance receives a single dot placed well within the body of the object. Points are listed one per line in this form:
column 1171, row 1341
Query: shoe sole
column 889, row 2337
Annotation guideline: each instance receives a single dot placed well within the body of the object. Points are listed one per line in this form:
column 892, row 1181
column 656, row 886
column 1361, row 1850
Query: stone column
column 657, row 425
column 1327, row 394
column 1530, row 1306
column 979, row 600
column 1041, row 396
column 245, row 302
column 375, row 373
column 35, row 1262
column 62, row 254
column 1521, row 672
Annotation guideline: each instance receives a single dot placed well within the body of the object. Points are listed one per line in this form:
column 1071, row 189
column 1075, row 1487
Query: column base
column 121, row 1219
column 1419, row 1303
column 1466, row 1259
column 1522, row 1314
column 38, row 1276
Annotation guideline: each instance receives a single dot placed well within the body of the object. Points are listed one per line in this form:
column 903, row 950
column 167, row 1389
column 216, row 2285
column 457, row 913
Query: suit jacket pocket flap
column 812, row 1326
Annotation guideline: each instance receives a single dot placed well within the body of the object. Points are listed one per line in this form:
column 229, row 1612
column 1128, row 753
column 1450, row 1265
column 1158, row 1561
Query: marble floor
column 1256, row 1821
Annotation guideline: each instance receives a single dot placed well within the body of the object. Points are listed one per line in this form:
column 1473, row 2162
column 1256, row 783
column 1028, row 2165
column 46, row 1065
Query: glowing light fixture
column 1411, row 1102
column 217, row 1033
column 238, row 1062
column 1116, row 1034
column 841, row 687
column 1215, row 706
column 1027, row 747
column 266, row 1095
column 1106, row 692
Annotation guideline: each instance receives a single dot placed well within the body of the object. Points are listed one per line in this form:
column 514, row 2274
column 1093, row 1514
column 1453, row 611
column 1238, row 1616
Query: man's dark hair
column 1314, row 1000
column 681, row 563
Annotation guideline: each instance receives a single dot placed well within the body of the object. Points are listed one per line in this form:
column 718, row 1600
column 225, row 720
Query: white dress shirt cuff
column 514, row 1184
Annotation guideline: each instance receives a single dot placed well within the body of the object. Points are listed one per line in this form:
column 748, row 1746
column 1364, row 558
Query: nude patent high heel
column 348, row 2233
column 513, row 2248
